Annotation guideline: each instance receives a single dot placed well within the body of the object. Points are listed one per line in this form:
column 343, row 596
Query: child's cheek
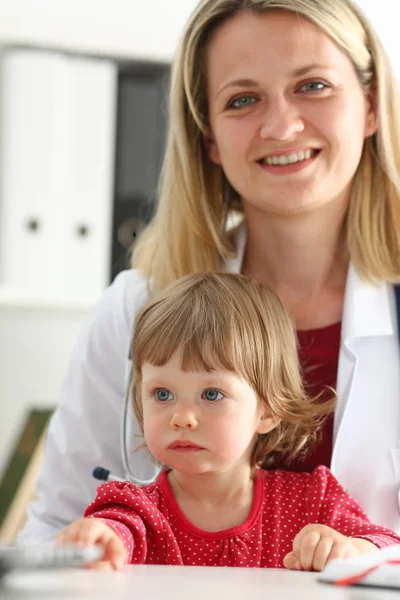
column 154, row 431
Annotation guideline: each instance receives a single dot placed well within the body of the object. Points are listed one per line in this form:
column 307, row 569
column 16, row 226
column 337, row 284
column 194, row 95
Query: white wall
column 384, row 15
column 140, row 28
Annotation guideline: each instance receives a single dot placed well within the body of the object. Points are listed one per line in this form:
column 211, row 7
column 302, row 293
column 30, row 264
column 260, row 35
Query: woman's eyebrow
column 237, row 83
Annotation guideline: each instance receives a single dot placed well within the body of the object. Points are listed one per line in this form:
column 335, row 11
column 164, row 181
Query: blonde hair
column 188, row 233
column 231, row 322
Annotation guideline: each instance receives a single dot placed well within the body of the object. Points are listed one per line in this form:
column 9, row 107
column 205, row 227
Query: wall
column 140, row 28
column 384, row 15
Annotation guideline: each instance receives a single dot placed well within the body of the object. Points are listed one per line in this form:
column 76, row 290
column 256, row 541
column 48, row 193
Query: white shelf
column 20, row 297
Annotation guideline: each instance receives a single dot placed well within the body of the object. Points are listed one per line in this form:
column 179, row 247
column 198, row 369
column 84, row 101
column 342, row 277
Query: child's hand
column 87, row 532
column 315, row 545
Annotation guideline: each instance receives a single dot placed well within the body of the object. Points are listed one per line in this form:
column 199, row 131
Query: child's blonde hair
column 229, row 321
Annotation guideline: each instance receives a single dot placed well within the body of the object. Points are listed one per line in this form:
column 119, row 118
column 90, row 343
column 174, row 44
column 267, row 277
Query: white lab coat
column 85, row 430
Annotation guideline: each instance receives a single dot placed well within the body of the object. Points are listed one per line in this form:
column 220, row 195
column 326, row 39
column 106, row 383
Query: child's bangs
column 203, row 343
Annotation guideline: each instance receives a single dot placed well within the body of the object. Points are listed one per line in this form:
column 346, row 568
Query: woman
column 286, row 113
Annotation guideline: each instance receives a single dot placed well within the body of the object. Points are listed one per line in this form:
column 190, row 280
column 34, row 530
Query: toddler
column 218, row 393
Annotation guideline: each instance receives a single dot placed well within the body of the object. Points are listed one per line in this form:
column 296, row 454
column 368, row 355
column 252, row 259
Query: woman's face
column 288, row 116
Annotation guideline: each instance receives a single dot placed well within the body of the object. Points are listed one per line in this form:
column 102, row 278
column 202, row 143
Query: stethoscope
column 104, row 474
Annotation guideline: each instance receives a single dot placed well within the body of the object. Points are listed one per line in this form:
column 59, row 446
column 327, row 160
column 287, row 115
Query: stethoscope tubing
column 129, row 476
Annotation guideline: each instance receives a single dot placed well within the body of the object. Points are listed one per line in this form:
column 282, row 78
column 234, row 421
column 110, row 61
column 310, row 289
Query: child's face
column 199, row 422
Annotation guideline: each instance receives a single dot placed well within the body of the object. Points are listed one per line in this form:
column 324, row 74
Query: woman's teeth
column 289, row 159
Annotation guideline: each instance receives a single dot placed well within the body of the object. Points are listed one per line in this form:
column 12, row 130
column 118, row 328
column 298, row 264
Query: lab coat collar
column 369, row 308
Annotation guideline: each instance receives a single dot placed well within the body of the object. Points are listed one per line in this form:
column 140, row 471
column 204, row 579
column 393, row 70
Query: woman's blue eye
column 313, row 86
column 212, row 395
column 242, row 102
column 163, row 395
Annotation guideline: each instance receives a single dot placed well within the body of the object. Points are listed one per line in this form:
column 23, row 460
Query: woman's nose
column 281, row 120
column 184, row 419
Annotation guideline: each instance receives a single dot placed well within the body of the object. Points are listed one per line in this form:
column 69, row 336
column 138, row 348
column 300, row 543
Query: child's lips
column 184, row 446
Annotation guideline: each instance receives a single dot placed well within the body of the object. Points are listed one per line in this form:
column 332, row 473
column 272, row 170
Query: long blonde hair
column 188, row 233
column 231, row 322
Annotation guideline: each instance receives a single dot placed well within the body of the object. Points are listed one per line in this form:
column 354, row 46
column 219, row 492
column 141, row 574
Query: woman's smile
column 285, row 164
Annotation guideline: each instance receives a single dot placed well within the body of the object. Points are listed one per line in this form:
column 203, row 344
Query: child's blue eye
column 163, row 395
column 212, row 395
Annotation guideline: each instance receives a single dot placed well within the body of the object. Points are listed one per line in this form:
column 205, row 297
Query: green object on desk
column 20, row 458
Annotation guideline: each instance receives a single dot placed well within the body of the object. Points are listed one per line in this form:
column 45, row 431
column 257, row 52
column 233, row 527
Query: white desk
column 180, row 583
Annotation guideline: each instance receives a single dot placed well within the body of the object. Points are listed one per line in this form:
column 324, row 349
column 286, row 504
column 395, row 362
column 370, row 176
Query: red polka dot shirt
column 155, row 530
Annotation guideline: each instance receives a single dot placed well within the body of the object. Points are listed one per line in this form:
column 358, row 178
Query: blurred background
column 82, row 127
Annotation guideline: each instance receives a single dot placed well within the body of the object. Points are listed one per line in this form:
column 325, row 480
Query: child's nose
column 184, row 418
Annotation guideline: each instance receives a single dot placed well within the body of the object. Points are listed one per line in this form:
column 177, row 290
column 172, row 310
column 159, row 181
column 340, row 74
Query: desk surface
column 179, row 583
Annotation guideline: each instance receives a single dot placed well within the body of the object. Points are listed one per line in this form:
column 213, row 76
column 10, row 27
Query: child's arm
column 132, row 514
column 314, row 545
column 338, row 526
column 87, row 532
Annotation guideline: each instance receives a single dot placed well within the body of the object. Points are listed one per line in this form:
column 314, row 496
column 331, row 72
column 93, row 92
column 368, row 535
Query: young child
column 218, row 393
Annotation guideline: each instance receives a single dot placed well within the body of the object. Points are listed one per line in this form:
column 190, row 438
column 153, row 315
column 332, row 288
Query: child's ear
column 267, row 422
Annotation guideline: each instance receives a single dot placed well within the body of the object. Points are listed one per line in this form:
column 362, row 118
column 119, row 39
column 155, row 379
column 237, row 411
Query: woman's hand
column 315, row 545
column 88, row 532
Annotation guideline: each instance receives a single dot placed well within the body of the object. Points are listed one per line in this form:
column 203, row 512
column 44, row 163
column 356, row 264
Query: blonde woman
column 283, row 113
column 218, row 394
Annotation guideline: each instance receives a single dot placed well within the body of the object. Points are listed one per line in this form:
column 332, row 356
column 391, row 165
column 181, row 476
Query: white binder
column 57, row 119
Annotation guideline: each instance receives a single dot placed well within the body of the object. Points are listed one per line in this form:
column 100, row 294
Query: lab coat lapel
column 367, row 420
column 367, row 312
